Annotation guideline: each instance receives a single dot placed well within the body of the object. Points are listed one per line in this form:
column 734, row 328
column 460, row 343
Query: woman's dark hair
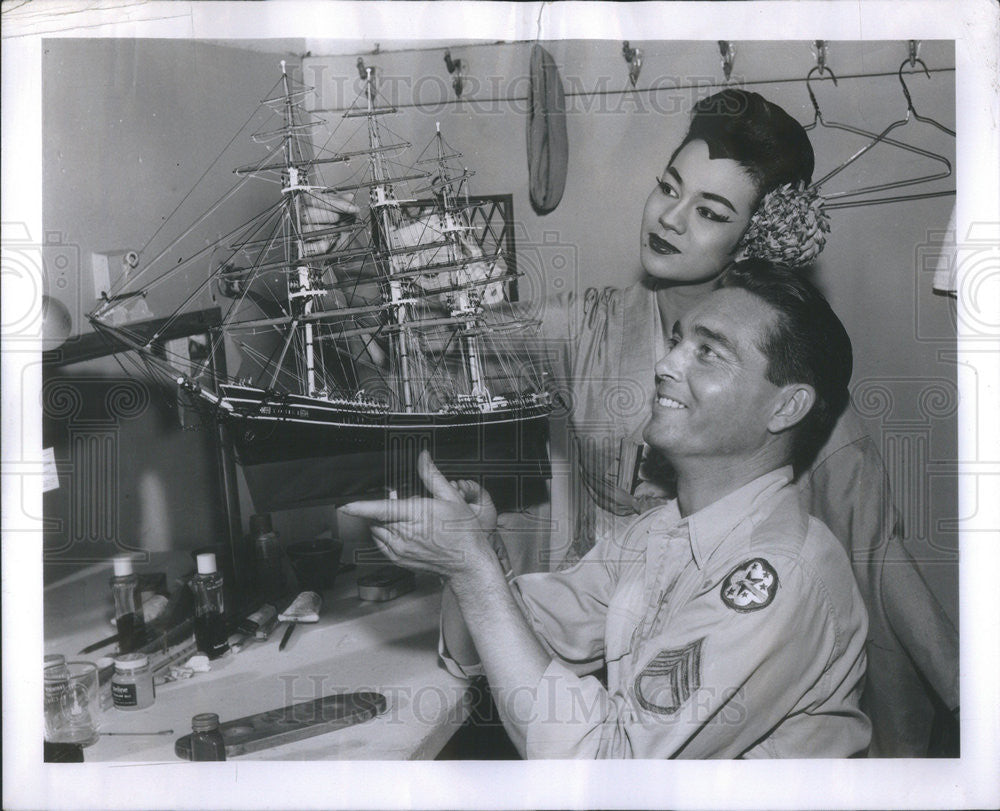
column 745, row 127
column 806, row 344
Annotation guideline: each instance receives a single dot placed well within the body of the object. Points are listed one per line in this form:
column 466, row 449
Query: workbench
column 387, row 647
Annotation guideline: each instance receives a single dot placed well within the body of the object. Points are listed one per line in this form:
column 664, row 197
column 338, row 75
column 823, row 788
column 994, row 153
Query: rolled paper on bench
column 304, row 608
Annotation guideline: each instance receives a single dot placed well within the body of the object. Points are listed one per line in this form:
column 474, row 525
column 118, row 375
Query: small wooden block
column 292, row 723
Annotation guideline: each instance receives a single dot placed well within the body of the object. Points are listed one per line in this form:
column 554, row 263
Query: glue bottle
column 269, row 576
column 209, row 624
column 128, row 605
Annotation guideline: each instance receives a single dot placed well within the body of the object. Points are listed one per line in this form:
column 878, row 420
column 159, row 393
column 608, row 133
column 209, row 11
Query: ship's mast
column 464, row 305
column 301, row 287
column 425, row 262
column 385, row 206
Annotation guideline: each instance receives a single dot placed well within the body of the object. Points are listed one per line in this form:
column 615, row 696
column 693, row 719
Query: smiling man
column 727, row 622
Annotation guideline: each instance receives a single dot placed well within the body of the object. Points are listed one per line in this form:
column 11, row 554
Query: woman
column 736, row 187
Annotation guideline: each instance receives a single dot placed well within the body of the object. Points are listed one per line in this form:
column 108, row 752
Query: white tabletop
column 388, row 647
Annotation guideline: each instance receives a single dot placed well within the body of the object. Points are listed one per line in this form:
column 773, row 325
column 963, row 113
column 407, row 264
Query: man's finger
column 434, row 481
column 386, row 511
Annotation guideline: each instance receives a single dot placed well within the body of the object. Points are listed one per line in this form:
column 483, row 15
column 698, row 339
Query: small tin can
column 132, row 682
column 386, row 583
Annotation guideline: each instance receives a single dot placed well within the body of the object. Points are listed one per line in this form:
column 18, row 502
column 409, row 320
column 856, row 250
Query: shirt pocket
column 622, row 622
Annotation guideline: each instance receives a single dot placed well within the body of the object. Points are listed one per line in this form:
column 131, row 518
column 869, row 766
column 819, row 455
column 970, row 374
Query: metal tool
column 160, row 732
column 287, row 635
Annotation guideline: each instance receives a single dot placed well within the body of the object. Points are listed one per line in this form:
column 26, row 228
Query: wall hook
column 728, row 52
column 913, row 50
column 454, row 66
column 820, row 49
column 634, row 58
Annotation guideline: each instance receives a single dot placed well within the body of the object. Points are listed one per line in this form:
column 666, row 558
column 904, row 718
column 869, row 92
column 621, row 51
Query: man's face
column 713, row 398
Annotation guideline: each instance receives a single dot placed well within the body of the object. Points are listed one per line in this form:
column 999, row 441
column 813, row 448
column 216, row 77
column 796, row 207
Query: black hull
column 304, row 454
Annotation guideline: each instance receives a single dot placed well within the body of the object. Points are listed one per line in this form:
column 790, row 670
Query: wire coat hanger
column 911, row 112
column 909, row 100
column 876, row 138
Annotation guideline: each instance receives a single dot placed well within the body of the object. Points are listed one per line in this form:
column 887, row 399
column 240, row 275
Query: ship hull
column 297, row 450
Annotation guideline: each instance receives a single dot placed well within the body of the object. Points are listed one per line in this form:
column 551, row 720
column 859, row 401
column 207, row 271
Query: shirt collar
column 711, row 525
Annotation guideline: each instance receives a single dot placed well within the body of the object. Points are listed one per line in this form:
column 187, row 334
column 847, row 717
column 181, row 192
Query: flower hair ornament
column 788, row 228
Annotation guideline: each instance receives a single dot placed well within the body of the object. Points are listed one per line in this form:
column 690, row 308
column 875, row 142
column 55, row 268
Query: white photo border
column 970, row 781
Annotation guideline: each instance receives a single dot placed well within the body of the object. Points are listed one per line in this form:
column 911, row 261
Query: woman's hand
column 446, row 534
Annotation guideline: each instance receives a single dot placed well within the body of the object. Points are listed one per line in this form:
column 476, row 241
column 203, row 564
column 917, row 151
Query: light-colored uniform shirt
column 609, row 341
column 735, row 632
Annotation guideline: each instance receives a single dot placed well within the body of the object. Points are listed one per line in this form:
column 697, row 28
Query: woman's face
column 694, row 216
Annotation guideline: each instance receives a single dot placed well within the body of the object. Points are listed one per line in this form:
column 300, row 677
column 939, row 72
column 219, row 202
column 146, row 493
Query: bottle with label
column 207, row 742
column 269, row 575
column 128, row 605
column 132, row 682
column 210, row 631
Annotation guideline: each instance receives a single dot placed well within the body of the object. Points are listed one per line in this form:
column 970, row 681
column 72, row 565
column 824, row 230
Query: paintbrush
column 163, row 630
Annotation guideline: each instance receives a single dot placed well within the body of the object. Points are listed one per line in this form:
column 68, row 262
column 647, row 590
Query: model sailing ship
column 357, row 333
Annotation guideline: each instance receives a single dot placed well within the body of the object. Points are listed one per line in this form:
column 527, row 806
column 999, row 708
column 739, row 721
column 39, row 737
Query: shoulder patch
column 669, row 679
column 750, row 586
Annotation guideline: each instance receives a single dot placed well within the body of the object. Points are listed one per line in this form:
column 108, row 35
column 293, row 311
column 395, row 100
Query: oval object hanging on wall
column 548, row 146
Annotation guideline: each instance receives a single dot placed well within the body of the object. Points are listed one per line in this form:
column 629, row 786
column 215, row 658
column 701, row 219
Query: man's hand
column 479, row 502
column 445, row 534
column 449, row 535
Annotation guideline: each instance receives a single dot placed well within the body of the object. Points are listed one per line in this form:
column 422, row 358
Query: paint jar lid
column 123, row 565
column 131, row 661
column 55, row 667
column 206, row 563
column 205, row 722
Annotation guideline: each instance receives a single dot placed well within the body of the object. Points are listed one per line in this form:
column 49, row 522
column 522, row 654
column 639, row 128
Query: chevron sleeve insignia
column 669, row 679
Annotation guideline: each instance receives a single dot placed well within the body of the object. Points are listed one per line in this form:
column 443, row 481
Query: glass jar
column 56, row 683
column 132, row 682
column 207, row 742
